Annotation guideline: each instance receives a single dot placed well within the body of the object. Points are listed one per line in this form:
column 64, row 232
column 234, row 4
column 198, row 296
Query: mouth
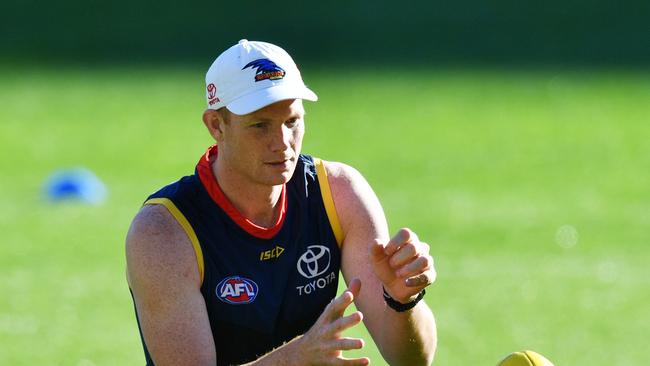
column 280, row 163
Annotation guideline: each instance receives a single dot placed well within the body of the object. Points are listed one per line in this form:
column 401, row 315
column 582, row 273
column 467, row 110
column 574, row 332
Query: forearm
column 407, row 338
column 284, row 355
column 401, row 264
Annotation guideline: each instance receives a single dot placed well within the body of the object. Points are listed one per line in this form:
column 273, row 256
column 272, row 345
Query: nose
column 281, row 139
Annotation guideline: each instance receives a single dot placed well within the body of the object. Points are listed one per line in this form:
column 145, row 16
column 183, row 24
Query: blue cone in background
column 78, row 184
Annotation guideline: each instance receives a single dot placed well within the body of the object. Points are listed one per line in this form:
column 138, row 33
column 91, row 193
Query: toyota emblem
column 314, row 262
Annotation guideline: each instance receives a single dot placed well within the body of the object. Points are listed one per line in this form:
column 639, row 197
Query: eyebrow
column 257, row 120
column 292, row 115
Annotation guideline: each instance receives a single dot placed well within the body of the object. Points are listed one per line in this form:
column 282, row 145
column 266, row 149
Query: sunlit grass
column 491, row 168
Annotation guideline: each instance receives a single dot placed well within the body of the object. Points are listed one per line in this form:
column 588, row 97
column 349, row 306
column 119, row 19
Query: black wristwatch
column 398, row 306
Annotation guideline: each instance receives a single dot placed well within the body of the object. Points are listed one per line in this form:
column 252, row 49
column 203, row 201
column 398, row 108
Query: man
column 239, row 263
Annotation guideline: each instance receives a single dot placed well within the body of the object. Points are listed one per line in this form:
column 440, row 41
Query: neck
column 257, row 202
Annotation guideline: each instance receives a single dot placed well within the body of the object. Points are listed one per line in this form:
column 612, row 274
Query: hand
column 323, row 344
column 403, row 265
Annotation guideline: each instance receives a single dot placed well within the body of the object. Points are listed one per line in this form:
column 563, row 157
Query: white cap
column 251, row 75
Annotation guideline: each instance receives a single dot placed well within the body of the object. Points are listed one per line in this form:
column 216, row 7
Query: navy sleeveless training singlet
column 262, row 286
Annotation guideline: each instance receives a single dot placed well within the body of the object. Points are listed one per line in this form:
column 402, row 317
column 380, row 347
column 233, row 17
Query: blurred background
column 336, row 33
column 512, row 136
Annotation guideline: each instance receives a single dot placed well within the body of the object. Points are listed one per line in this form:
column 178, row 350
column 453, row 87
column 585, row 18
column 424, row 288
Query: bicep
column 363, row 221
column 176, row 330
column 164, row 279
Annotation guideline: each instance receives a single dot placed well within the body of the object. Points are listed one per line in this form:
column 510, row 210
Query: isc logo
column 272, row 253
column 237, row 290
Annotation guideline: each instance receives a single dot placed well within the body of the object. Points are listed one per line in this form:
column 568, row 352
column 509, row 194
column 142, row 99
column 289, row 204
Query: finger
column 403, row 236
column 377, row 253
column 337, row 307
column 333, row 309
column 416, row 266
column 404, row 254
column 346, row 344
column 352, row 361
column 343, row 323
column 354, row 287
column 422, row 280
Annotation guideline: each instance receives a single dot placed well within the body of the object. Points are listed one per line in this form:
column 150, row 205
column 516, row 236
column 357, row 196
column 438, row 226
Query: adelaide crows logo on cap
column 266, row 69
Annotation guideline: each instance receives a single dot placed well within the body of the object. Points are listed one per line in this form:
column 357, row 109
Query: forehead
column 280, row 110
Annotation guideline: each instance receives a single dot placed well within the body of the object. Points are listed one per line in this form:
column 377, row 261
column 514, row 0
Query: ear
column 215, row 124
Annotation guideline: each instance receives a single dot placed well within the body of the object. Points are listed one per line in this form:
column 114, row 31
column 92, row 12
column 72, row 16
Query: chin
column 285, row 177
column 282, row 176
column 275, row 179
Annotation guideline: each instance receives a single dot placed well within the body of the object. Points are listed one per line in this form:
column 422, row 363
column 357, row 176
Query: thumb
column 354, row 287
column 377, row 251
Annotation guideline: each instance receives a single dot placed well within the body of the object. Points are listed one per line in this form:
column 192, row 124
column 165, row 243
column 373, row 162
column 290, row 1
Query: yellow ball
column 525, row 358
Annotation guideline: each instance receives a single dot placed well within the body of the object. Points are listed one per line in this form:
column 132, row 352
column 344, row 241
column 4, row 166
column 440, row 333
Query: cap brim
column 257, row 100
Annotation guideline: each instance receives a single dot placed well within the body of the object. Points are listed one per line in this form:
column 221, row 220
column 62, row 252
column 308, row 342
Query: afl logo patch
column 237, row 290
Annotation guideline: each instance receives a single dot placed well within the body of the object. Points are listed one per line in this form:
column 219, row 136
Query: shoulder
column 158, row 250
column 184, row 188
column 346, row 182
column 341, row 172
column 356, row 203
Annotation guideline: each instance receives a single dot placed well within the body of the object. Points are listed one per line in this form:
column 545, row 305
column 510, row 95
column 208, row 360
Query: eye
column 259, row 125
column 292, row 122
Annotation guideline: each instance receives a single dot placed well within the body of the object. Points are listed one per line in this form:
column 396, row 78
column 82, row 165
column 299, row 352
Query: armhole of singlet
column 328, row 201
column 180, row 218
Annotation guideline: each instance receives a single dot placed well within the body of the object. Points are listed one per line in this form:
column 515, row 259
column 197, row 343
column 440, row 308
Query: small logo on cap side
column 212, row 94
column 266, row 70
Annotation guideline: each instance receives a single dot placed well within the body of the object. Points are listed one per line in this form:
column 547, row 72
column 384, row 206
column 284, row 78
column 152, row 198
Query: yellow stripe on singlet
column 178, row 215
column 328, row 200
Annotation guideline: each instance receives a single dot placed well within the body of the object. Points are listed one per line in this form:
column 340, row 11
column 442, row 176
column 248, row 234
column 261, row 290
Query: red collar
column 204, row 169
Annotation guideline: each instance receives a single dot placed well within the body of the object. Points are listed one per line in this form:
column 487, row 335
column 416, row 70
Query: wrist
column 288, row 354
column 400, row 306
column 294, row 350
column 387, row 291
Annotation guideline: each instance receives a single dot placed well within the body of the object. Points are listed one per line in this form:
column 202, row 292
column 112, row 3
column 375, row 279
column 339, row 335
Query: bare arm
column 164, row 278
column 401, row 264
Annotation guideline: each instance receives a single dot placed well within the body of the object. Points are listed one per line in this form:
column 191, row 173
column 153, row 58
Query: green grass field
column 531, row 187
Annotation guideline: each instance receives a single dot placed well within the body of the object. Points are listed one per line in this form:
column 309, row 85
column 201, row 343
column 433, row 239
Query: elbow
column 430, row 357
column 430, row 354
column 427, row 357
column 422, row 360
column 424, row 357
